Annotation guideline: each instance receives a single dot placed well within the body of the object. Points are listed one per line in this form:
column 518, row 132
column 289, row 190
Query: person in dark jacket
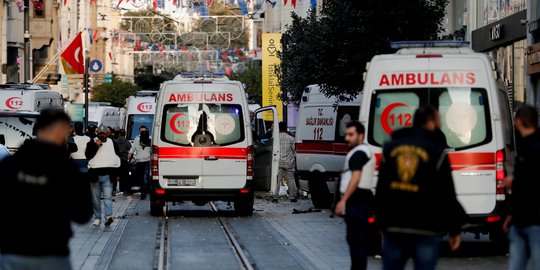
column 523, row 222
column 415, row 200
column 41, row 200
column 124, row 146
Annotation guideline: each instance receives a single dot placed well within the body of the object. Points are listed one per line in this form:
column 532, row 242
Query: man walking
column 141, row 153
column 124, row 146
column 104, row 162
column 356, row 196
column 287, row 158
column 41, row 192
column 523, row 222
column 81, row 140
column 415, row 200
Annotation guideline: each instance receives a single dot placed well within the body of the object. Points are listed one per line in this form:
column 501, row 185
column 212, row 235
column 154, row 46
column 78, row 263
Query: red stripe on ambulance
column 202, row 152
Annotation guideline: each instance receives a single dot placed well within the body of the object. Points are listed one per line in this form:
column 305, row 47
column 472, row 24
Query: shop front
column 506, row 41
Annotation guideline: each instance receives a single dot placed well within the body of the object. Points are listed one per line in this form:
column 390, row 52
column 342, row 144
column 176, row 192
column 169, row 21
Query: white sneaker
column 96, row 222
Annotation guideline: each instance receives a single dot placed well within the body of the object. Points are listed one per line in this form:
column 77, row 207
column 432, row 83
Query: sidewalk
column 90, row 244
column 318, row 237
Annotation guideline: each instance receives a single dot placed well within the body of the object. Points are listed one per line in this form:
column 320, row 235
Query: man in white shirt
column 81, row 140
column 287, row 158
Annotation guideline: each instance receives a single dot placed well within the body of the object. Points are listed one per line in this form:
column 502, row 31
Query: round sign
column 225, row 124
column 144, row 107
column 390, row 120
column 95, row 65
column 179, row 123
column 14, row 103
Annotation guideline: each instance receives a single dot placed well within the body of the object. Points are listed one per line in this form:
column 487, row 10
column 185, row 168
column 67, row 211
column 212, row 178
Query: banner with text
column 271, row 44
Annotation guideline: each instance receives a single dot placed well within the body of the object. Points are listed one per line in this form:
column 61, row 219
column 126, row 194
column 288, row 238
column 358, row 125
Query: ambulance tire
column 320, row 195
column 156, row 207
column 243, row 206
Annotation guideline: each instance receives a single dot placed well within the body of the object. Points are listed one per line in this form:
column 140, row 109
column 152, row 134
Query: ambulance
column 476, row 118
column 99, row 114
column 203, row 147
column 320, row 142
column 140, row 110
column 19, row 107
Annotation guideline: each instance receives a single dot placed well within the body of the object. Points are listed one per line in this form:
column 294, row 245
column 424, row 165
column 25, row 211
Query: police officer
column 415, row 199
column 356, row 196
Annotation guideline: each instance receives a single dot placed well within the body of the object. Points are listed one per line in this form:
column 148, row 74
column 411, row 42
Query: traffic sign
column 95, row 65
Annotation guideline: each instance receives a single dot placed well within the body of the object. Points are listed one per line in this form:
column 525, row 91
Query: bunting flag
column 93, row 2
column 210, row 3
column 110, row 55
column 137, row 45
column 65, row 2
column 155, row 4
column 243, row 7
column 284, row 2
column 20, row 5
column 314, row 4
column 37, row 4
column 119, row 2
column 293, row 2
column 95, row 35
column 72, row 57
column 175, row 3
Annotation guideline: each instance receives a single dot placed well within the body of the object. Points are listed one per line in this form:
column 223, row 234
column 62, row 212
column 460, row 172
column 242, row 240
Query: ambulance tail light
column 500, row 172
column 155, row 163
column 249, row 163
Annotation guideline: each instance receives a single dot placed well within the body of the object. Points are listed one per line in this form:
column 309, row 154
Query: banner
column 271, row 44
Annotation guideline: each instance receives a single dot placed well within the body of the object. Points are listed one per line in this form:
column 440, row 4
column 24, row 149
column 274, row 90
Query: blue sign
column 95, row 65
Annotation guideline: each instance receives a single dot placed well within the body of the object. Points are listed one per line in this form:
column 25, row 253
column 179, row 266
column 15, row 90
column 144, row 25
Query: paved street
column 274, row 238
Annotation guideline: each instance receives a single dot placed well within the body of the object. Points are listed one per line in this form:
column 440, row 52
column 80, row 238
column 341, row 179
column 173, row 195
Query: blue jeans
column 19, row 262
column 356, row 218
column 524, row 245
column 399, row 247
column 104, row 185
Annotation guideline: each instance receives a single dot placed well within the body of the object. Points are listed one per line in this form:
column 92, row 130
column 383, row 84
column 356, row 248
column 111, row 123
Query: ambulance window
column 464, row 116
column 345, row 114
column 390, row 111
column 135, row 121
column 222, row 122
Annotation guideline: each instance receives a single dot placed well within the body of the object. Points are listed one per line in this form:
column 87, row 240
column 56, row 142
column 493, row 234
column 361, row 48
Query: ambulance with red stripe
column 140, row 110
column 476, row 118
column 203, row 144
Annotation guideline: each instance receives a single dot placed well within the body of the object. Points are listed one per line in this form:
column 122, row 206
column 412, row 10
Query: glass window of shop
column 512, row 67
column 493, row 10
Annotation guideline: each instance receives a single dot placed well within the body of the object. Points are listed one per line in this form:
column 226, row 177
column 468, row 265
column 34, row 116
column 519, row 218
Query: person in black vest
column 104, row 161
column 523, row 221
column 41, row 193
column 415, row 199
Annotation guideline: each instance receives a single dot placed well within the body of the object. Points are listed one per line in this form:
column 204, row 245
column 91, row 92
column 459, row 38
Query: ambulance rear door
column 224, row 157
column 266, row 149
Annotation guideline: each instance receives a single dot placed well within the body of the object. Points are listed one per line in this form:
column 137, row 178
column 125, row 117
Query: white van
column 140, row 110
column 103, row 115
column 203, row 147
column 475, row 112
column 19, row 107
column 320, row 142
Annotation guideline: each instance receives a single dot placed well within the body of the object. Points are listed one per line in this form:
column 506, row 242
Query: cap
column 102, row 129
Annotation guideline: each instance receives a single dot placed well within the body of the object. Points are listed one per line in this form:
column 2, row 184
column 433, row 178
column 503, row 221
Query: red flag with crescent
column 72, row 56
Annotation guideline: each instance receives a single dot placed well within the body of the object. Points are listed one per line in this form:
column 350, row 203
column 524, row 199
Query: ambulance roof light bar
column 202, row 75
column 429, row 44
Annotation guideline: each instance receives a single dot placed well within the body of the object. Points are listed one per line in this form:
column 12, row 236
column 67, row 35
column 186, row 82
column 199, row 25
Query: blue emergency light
column 429, row 44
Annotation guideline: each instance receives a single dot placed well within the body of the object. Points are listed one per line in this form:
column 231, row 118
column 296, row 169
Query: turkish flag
column 72, row 56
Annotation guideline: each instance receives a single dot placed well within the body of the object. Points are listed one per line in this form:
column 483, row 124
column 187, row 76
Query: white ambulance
column 140, row 110
column 320, row 142
column 19, row 106
column 99, row 114
column 475, row 112
column 203, row 146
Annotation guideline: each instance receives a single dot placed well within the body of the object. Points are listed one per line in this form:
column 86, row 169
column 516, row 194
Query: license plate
column 182, row 182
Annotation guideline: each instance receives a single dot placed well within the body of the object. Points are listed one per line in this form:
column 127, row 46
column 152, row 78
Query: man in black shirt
column 356, row 195
column 523, row 222
column 41, row 193
column 415, row 202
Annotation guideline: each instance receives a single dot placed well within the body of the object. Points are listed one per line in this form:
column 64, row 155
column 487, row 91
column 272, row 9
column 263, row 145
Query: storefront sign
column 270, row 60
column 495, row 32
column 533, row 59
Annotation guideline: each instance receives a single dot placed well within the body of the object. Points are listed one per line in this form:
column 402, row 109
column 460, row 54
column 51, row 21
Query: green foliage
column 333, row 47
column 252, row 76
column 115, row 92
column 148, row 81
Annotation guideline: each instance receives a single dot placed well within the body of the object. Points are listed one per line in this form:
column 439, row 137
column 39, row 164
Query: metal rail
column 162, row 242
column 239, row 252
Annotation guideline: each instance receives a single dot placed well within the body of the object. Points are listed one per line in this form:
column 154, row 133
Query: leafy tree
column 252, row 77
column 115, row 92
column 332, row 49
column 146, row 80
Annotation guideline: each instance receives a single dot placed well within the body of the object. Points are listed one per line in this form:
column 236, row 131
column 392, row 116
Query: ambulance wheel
column 320, row 195
column 156, row 207
column 244, row 205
